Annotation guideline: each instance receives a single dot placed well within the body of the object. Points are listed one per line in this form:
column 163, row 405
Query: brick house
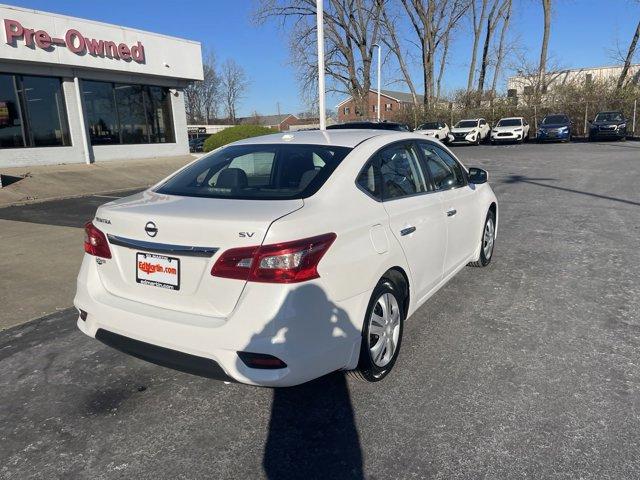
column 392, row 103
column 281, row 122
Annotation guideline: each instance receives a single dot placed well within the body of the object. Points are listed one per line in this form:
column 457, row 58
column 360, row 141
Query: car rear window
column 268, row 172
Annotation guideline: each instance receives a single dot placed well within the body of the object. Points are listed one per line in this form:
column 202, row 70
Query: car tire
column 487, row 242
column 370, row 367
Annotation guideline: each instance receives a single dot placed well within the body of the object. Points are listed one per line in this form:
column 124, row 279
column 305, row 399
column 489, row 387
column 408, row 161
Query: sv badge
column 246, row 234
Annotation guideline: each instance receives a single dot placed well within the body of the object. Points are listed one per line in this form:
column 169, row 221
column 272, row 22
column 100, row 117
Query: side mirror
column 478, row 175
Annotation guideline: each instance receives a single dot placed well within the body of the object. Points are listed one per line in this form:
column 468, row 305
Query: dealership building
column 79, row 91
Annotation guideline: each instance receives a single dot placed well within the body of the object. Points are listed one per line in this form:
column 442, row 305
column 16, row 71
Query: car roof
column 471, row 119
column 339, row 138
column 511, row 118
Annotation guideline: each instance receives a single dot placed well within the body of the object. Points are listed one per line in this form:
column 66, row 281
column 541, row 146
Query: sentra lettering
column 74, row 41
column 149, row 268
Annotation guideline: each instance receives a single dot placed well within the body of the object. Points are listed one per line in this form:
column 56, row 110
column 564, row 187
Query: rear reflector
column 95, row 242
column 287, row 262
column 261, row 360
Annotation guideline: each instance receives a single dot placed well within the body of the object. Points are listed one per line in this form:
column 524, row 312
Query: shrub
column 232, row 134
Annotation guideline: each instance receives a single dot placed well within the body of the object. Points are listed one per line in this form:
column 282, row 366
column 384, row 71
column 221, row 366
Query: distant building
column 523, row 85
column 281, row 122
column 391, row 104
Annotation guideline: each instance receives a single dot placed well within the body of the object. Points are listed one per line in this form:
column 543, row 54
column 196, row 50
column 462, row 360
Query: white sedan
column 278, row 259
column 512, row 129
column 437, row 130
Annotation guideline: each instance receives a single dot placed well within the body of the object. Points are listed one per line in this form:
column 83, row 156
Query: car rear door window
column 401, row 172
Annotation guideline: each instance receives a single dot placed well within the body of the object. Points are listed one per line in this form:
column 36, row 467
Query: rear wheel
column 487, row 242
column 381, row 333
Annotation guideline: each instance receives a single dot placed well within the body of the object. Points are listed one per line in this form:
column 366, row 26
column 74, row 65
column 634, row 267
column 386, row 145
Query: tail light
column 288, row 262
column 95, row 242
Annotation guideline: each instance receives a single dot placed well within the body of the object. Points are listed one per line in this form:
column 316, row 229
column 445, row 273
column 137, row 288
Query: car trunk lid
column 163, row 247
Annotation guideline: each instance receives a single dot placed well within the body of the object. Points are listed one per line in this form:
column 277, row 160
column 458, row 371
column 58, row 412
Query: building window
column 388, row 107
column 527, row 90
column 127, row 114
column 374, row 108
column 32, row 112
column 347, row 110
column 512, row 93
column 588, row 79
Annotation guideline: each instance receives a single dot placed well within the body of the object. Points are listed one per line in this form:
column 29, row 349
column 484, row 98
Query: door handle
column 451, row 212
column 407, row 231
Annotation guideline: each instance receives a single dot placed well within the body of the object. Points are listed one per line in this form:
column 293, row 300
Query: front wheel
column 381, row 333
column 487, row 242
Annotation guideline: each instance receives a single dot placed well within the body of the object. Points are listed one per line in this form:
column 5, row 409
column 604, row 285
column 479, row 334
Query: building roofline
column 95, row 22
column 371, row 90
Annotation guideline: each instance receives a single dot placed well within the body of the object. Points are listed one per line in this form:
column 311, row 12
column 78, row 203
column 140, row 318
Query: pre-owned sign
column 72, row 40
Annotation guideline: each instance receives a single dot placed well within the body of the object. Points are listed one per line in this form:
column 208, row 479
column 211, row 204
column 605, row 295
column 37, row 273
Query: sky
column 584, row 33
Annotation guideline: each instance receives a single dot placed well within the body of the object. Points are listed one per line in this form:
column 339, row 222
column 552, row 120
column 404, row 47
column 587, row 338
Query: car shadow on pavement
column 312, row 430
column 532, row 181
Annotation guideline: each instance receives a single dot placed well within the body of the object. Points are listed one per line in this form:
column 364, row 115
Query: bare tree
column 351, row 29
column 202, row 98
column 432, row 21
column 541, row 85
column 452, row 24
column 496, row 6
column 233, row 87
column 477, row 22
column 500, row 54
column 390, row 39
column 629, row 58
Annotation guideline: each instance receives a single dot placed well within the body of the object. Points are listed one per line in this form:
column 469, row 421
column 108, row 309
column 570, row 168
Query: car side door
column 415, row 214
column 460, row 209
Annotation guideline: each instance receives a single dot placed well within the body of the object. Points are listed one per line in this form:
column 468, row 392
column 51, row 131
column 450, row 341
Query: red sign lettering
column 74, row 41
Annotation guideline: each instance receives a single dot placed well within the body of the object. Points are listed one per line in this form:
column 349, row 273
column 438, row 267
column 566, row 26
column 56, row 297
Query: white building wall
column 169, row 62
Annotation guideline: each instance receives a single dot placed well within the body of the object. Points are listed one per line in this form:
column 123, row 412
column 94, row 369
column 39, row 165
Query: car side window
column 445, row 171
column 370, row 181
column 483, row 122
column 401, row 172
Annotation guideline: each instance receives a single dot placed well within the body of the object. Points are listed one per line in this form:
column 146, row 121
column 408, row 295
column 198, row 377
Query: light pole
column 320, row 28
column 379, row 68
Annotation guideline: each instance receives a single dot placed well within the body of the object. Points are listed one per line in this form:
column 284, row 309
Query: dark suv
column 608, row 125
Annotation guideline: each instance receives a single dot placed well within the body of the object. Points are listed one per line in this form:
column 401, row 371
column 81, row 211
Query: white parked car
column 278, row 259
column 512, row 129
column 438, row 130
column 472, row 131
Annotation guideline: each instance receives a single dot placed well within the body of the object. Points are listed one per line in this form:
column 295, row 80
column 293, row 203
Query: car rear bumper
column 296, row 323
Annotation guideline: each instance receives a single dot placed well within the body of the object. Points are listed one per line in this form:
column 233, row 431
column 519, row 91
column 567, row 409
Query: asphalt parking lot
column 529, row 368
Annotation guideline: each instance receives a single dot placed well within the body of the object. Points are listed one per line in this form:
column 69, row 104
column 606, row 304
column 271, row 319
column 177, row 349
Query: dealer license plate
column 158, row 270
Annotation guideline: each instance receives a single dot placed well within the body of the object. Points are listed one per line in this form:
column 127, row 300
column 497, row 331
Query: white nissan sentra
column 278, row 259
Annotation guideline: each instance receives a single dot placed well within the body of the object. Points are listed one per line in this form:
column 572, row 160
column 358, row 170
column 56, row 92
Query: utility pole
column 278, row 108
column 379, row 69
column 320, row 28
